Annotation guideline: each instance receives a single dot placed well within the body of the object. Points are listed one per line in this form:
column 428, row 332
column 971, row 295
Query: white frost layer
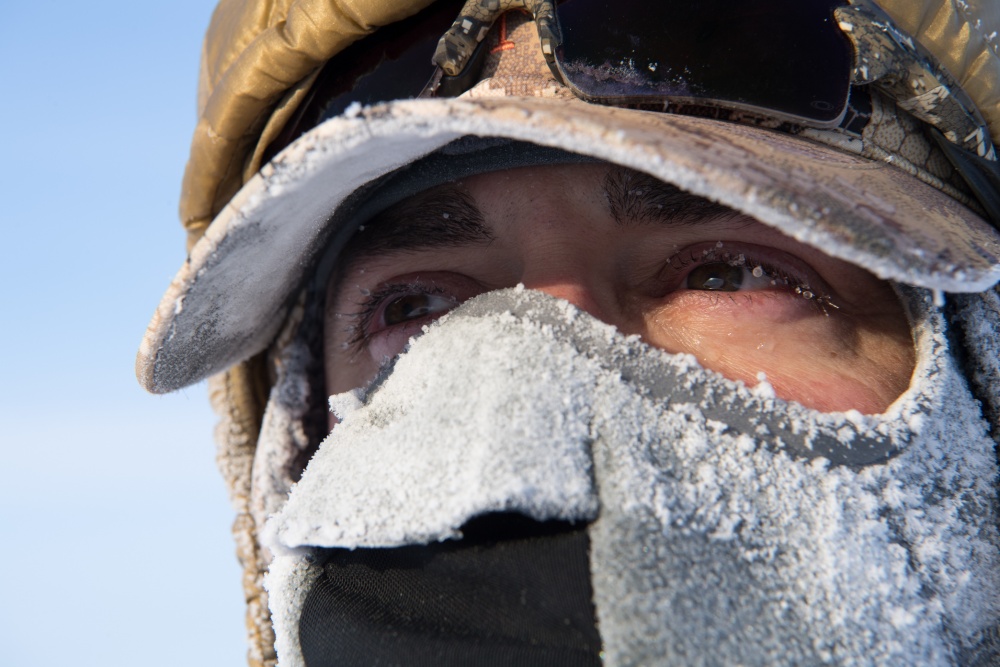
column 288, row 580
column 710, row 547
column 431, row 449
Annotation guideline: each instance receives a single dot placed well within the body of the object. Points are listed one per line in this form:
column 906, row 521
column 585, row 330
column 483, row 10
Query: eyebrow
column 448, row 217
column 635, row 198
column 443, row 217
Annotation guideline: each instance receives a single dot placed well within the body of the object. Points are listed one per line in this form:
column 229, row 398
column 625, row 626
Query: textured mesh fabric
column 512, row 592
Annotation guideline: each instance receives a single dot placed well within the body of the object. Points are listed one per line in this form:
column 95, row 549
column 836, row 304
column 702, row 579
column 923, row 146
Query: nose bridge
column 568, row 262
column 563, row 244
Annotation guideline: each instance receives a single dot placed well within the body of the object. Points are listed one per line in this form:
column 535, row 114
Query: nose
column 573, row 291
column 565, row 249
column 566, row 258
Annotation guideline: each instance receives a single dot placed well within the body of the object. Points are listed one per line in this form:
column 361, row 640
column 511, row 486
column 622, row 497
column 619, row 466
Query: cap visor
column 229, row 299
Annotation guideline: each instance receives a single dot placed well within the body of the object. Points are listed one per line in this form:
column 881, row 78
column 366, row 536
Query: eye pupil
column 716, row 277
column 714, row 282
column 407, row 307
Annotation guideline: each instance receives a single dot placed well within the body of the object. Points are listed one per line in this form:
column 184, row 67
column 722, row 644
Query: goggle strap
column 902, row 68
column 444, row 85
column 981, row 175
column 457, row 46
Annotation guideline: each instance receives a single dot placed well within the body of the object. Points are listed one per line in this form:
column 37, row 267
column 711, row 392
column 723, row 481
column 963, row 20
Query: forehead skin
column 448, row 216
column 622, row 246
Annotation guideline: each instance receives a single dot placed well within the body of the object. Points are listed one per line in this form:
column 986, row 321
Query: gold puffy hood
column 256, row 63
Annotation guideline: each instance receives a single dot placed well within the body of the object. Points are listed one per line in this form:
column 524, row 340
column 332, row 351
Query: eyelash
column 360, row 324
column 795, row 283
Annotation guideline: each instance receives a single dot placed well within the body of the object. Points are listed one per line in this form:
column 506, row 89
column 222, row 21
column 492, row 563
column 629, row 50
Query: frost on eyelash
column 778, row 278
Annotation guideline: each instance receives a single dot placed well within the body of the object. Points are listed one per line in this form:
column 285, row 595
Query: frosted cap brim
column 231, row 296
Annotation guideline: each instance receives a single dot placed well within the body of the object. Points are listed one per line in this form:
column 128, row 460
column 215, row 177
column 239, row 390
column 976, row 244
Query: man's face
column 686, row 275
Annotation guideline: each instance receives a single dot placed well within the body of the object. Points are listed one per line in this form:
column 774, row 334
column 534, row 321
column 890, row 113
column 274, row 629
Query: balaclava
column 725, row 526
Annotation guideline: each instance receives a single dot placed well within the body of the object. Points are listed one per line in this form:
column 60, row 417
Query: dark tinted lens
column 784, row 56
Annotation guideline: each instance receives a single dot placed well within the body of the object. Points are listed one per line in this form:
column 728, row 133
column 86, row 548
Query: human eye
column 751, row 269
column 401, row 307
column 372, row 315
column 388, row 316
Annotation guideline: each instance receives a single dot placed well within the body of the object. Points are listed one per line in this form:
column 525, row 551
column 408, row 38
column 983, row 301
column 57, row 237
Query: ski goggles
column 786, row 62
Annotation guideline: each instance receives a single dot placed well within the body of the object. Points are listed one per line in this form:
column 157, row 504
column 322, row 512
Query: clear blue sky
column 114, row 524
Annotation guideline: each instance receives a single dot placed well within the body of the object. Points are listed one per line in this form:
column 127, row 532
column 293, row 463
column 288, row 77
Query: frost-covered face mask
column 725, row 526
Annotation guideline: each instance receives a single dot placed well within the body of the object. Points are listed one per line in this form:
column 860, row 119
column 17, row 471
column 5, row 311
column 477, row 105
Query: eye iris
column 716, row 277
column 407, row 307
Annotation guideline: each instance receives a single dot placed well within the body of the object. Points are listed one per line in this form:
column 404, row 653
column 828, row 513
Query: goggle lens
column 786, row 60
column 782, row 58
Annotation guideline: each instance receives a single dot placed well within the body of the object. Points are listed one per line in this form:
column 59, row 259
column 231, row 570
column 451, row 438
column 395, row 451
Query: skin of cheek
column 349, row 370
column 829, row 363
